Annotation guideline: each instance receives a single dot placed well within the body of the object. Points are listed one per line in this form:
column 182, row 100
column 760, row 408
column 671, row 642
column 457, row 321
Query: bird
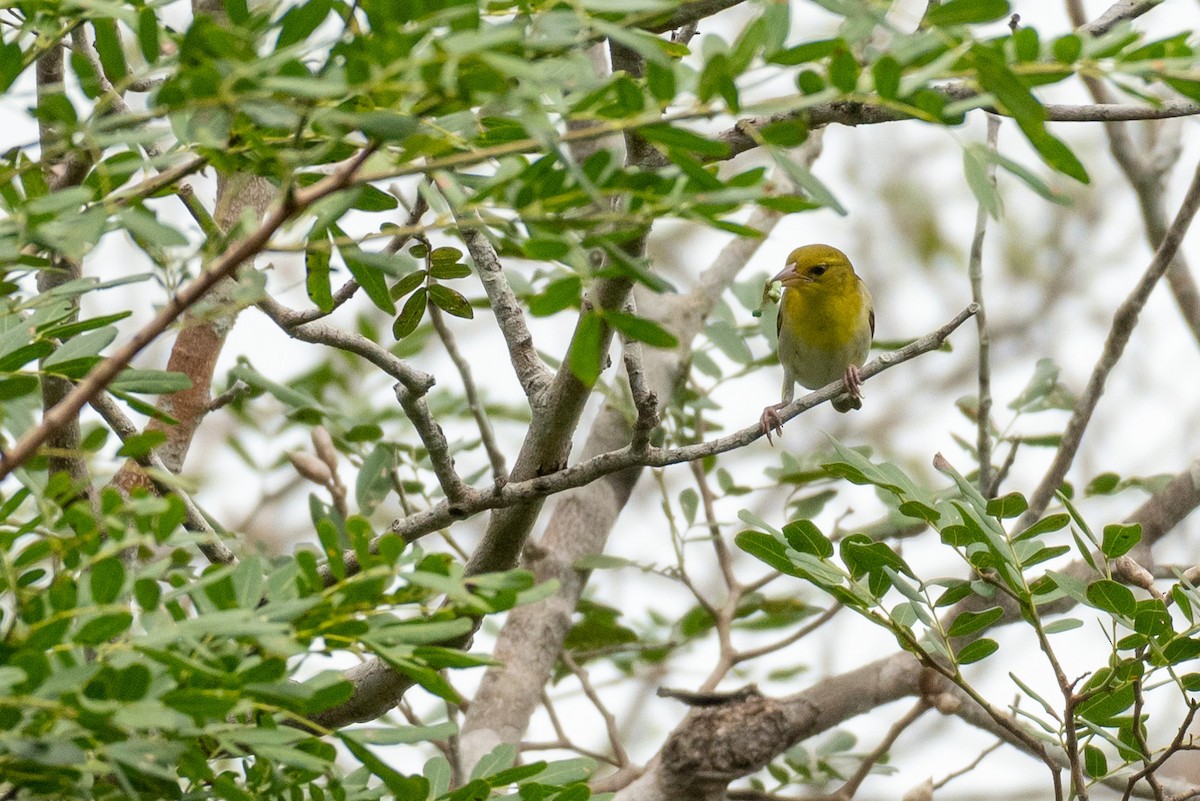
column 825, row 326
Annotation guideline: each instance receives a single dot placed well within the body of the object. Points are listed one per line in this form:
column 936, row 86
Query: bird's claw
column 853, row 379
column 769, row 421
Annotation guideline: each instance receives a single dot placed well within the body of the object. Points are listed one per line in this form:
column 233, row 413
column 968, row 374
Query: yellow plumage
column 826, row 321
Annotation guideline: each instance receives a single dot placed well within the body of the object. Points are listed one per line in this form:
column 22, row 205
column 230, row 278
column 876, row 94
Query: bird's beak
column 788, row 276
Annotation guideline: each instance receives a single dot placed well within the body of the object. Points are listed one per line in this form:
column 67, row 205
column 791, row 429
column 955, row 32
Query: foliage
column 130, row 668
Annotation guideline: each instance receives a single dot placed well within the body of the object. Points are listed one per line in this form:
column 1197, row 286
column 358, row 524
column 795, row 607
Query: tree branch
column 486, row 435
column 531, row 372
column 1121, row 330
column 103, row 373
column 983, row 437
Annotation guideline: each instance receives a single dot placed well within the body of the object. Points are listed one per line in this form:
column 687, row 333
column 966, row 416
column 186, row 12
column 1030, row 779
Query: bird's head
column 815, row 266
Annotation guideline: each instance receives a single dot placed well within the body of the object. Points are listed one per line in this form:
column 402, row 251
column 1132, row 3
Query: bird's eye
column 818, row 271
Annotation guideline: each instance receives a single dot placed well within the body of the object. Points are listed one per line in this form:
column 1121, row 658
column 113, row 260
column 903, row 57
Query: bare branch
column 319, row 333
column 517, row 492
column 1123, row 324
column 531, row 372
column 975, row 270
column 486, row 435
column 610, row 723
column 690, row 13
column 1119, row 12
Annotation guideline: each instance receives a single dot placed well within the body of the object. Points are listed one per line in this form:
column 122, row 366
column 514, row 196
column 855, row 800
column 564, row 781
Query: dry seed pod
column 311, row 468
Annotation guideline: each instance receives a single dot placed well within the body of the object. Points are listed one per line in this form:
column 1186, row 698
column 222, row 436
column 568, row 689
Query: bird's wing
column 870, row 305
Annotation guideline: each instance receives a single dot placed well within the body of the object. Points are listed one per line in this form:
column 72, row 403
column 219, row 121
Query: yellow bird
column 826, row 322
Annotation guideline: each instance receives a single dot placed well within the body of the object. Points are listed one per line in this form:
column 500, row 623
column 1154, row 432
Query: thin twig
column 974, row 763
column 724, row 559
column 645, row 402
column 847, row 790
column 610, row 723
column 795, row 636
column 975, row 270
column 236, row 390
column 1123, row 324
column 319, row 333
column 486, row 435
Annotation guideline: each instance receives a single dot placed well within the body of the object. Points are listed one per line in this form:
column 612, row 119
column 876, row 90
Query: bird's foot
column 853, row 379
column 769, row 421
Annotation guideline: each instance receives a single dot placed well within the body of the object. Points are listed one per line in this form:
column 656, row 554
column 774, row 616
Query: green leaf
column 446, row 272
column 975, row 169
column 804, row 178
column 144, row 225
column 1066, row 624
column 1028, row 178
column 316, row 279
column 140, row 444
column 103, row 628
column 1055, row 522
column 1057, row 155
column 403, row 788
column 1181, row 649
column 1111, row 597
column 410, row 316
column 407, row 284
column 80, row 347
column 671, row 137
column 766, row 549
column 150, row 382
column 1068, row 48
column 805, row 537
column 147, row 35
column 1119, row 539
column 18, row 358
column 1094, row 762
column 844, row 70
column 108, row 47
column 886, row 73
column 1105, row 706
column 1041, row 384
column 641, row 330
column 966, row 12
column 107, row 578
column 300, row 21
column 995, row 77
column 730, row 341
column 585, row 357
column 975, row 651
column 807, row 52
column 450, row 301
column 1011, row 505
column 285, row 394
column 11, row 64
column 386, row 126
column 558, row 295
column 968, row 622
column 368, row 275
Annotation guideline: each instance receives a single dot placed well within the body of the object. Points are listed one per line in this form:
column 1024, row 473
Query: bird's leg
column 769, row 421
column 853, row 381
